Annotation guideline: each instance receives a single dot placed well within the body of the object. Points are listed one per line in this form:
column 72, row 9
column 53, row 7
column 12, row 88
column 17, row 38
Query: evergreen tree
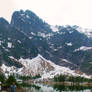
column 2, row 78
column 72, row 80
column 60, row 78
column 10, row 80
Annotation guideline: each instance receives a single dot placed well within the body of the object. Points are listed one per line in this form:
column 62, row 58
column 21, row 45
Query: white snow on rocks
column 32, row 33
column 44, row 35
column 8, row 70
column 46, row 68
column 83, row 48
column 9, row 45
column 27, row 16
column 22, row 14
column 39, row 65
column 65, row 60
column 54, row 28
column 87, row 32
column 0, row 42
column 69, row 44
column 35, row 66
column 19, row 41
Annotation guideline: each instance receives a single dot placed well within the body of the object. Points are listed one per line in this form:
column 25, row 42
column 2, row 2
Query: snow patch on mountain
column 39, row 65
column 87, row 32
column 65, row 60
column 19, row 41
column 9, row 38
column 9, row 45
column 30, row 38
column 45, row 68
column 22, row 14
column 10, row 70
column 35, row 66
column 0, row 42
column 69, row 44
column 32, row 33
column 45, row 35
column 83, row 48
column 12, row 58
column 27, row 16
column 54, row 28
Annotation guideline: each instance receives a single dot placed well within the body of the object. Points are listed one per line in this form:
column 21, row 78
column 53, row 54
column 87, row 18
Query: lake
column 56, row 88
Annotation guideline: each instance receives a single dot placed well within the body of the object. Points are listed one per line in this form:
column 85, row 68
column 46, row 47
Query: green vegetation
column 75, row 80
column 24, row 78
column 65, row 88
column 2, row 78
column 7, row 82
column 36, row 77
column 87, row 67
column 60, row 78
column 10, row 80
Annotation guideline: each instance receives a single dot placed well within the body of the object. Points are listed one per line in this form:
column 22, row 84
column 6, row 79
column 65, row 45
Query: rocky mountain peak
column 3, row 22
column 27, row 21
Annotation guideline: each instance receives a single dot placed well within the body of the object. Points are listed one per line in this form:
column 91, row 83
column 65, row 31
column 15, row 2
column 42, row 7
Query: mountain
column 42, row 66
column 27, row 35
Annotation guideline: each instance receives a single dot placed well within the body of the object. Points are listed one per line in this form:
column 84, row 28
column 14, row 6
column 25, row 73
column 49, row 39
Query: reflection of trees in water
column 36, row 87
column 32, row 88
column 70, row 88
column 56, row 88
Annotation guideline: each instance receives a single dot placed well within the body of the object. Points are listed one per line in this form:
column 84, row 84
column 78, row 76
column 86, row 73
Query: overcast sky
column 60, row 12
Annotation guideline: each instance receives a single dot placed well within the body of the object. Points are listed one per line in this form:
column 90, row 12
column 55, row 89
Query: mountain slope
column 42, row 66
column 66, row 43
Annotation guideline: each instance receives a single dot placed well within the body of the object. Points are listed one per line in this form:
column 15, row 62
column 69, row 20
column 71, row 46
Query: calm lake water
column 56, row 88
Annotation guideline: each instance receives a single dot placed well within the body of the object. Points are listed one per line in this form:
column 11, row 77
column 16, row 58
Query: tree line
column 74, row 80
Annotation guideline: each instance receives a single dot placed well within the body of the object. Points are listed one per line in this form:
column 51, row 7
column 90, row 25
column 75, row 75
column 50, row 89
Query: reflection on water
column 57, row 88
